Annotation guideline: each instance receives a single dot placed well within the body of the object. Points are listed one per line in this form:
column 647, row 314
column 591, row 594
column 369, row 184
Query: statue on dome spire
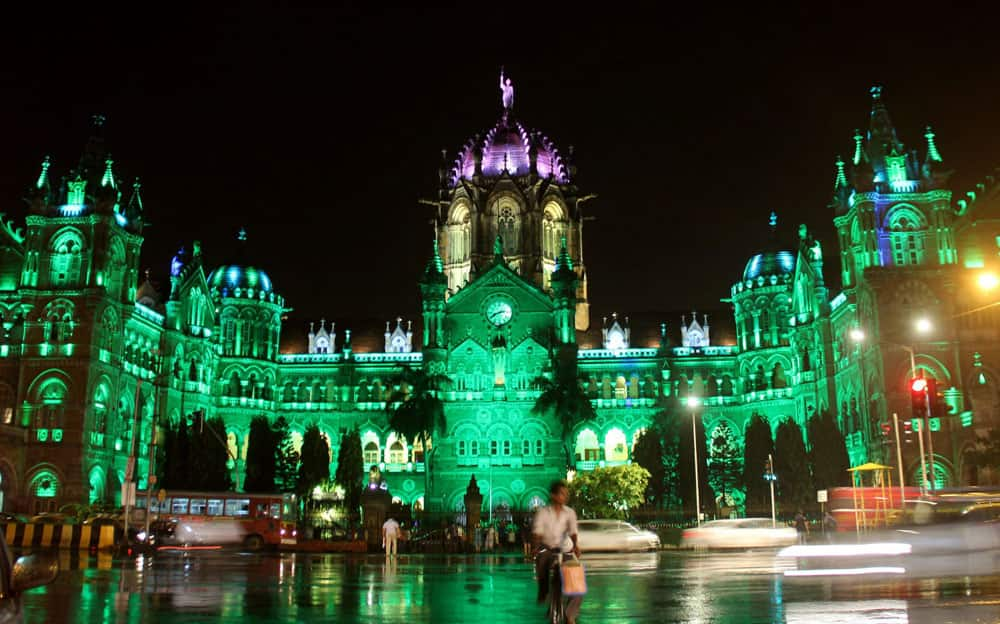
column 507, row 89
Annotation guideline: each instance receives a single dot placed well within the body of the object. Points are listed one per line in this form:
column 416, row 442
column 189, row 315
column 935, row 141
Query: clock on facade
column 499, row 312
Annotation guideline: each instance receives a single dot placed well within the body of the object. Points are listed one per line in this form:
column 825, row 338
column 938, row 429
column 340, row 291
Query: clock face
column 499, row 312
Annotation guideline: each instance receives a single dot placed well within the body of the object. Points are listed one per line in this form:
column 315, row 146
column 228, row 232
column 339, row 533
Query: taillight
column 295, row 532
column 282, row 532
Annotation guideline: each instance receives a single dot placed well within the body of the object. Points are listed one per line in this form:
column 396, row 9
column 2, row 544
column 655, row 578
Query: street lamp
column 694, row 402
column 987, row 281
column 923, row 325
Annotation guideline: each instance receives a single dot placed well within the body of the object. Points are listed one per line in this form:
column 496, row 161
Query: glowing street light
column 857, row 334
column 923, row 325
column 987, row 281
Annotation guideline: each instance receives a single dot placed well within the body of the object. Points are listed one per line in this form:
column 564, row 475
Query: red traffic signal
column 886, row 430
column 918, row 384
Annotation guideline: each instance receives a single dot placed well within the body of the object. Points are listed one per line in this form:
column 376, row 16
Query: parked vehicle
column 18, row 576
column 739, row 533
column 614, row 535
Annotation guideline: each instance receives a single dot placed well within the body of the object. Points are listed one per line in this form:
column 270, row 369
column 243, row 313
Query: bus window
column 275, row 510
column 163, row 507
column 261, row 511
column 179, row 506
column 238, row 507
column 197, row 506
column 288, row 510
column 215, row 506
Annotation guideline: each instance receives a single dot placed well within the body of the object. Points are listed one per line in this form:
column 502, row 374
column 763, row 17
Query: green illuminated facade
column 87, row 345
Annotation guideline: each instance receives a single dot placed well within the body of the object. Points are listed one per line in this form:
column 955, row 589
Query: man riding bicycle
column 554, row 532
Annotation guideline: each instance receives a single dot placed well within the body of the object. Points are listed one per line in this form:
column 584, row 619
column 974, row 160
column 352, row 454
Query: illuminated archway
column 587, row 447
column 615, row 446
column 97, row 485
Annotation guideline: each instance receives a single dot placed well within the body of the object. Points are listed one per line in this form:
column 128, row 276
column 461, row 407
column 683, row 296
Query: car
column 614, row 535
column 739, row 533
column 9, row 517
column 18, row 576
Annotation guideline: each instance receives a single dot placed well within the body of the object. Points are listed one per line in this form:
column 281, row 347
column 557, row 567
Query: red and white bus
column 258, row 519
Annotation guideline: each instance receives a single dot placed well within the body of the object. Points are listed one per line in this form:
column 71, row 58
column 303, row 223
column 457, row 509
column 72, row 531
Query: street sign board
column 821, row 496
column 128, row 493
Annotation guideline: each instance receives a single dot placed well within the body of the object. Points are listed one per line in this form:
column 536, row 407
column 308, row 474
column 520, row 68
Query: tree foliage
column 649, row 454
column 828, row 453
column 350, row 471
column 314, row 463
column 563, row 396
column 262, row 451
column 286, row 458
column 757, row 445
column 609, row 492
column 725, row 468
column 791, row 464
column 196, row 456
column 415, row 410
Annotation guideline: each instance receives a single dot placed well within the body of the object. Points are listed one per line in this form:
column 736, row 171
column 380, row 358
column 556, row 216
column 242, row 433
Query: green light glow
column 75, row 195
column 42, row 435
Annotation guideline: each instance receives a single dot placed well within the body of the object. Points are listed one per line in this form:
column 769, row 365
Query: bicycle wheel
column 557, row 611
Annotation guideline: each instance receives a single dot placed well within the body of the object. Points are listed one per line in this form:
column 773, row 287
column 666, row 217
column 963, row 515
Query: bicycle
column 556, row 601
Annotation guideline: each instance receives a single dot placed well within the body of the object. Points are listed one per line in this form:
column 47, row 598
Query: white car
column 614, row 535
column 739, row 533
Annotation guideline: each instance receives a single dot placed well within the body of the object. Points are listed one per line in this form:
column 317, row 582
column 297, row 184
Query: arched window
column 65, row 259
column 234, row 385
column 462, row 448
column 765, row 328
column 44, row 485
column 509, row 222
column 371, row 453
column 906, row 236
column 397, row 454
column 615, row 448
column 587, row 447
column 6, row 404
column 778, row 376
column 116, row 268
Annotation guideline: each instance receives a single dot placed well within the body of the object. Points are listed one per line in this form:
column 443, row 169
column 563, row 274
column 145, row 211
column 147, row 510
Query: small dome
column 507, row 146
column 226, row 279
column 770, row 263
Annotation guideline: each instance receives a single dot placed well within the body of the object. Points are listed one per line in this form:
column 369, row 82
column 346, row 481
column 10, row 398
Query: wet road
column 654, row 587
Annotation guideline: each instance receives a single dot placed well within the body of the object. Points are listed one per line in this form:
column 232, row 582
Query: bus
column 257, row 519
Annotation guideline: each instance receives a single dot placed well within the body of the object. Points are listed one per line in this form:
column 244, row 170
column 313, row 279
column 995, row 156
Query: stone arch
column 44, row 485
column 66, row 257
column 587, row 447
column 396, row 449
column 97, row 481
column 616, row 445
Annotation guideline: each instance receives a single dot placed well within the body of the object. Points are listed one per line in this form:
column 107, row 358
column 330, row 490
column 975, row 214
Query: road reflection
column 644, row 587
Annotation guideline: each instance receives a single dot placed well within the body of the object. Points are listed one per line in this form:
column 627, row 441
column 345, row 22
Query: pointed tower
column 433, row 286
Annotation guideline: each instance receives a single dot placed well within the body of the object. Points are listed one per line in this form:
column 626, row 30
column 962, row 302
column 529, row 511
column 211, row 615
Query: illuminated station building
column 87, row 342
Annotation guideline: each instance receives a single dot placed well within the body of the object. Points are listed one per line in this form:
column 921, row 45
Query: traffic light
column 907, row 431
column 935, row 399
column 769, row 471
column 918, row 397
column 886, row 433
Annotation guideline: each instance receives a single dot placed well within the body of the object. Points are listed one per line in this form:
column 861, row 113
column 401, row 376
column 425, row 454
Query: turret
column 433, row 285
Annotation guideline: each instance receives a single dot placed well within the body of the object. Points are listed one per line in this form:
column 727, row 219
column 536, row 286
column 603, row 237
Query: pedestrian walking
column 390, row 534
column 801, row 526
column 830, row 526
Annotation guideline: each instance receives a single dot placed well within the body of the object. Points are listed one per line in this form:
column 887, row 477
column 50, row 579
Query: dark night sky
column 318, row 130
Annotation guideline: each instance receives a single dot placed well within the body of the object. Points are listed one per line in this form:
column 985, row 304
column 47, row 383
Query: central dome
column 509, row 147
column 228, row 278
column 770, row 263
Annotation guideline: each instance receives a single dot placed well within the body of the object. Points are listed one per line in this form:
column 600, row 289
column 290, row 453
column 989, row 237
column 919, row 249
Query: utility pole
column 899, row 463
column 771, row 478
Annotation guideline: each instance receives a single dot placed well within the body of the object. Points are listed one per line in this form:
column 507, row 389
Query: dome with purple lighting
column 509, row 147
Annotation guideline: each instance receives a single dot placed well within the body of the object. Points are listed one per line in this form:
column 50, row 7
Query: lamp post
column 693, row 402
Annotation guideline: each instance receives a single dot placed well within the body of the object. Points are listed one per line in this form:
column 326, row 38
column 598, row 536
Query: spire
column 109, row 176
column 434, row 272
column 841, row 181
column 881, row 133
column 773, row 221
column 933, row 155
column 858, row 149
column 563, row 262
column 241, row 235
column 43, row 175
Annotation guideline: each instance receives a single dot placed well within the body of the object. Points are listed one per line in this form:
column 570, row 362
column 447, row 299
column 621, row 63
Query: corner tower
column 514, row 183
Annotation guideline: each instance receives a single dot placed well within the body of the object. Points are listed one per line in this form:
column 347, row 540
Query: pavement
column 678, row 586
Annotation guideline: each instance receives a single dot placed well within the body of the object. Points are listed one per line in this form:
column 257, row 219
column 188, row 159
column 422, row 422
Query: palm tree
column 415, row 410
column 564, row 397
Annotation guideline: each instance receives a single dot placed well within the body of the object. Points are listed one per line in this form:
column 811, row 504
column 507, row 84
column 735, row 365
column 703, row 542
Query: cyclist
column 554, row 532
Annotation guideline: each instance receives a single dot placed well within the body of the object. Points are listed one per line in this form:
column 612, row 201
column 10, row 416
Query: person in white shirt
column 390, row 532
column 555, row 531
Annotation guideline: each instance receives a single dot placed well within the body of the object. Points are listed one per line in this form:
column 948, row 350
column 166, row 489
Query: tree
column 828, row 452
column 757, row 445
column 609, row 492
column 791, row 465
column 415, row 410
column 649, row 454
column 286, row 458
column 262, row 452
column 208, row 457
column 350, row 472
column 176, row 467
column 564, row 397
column 725, row 466
column 314, row 463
